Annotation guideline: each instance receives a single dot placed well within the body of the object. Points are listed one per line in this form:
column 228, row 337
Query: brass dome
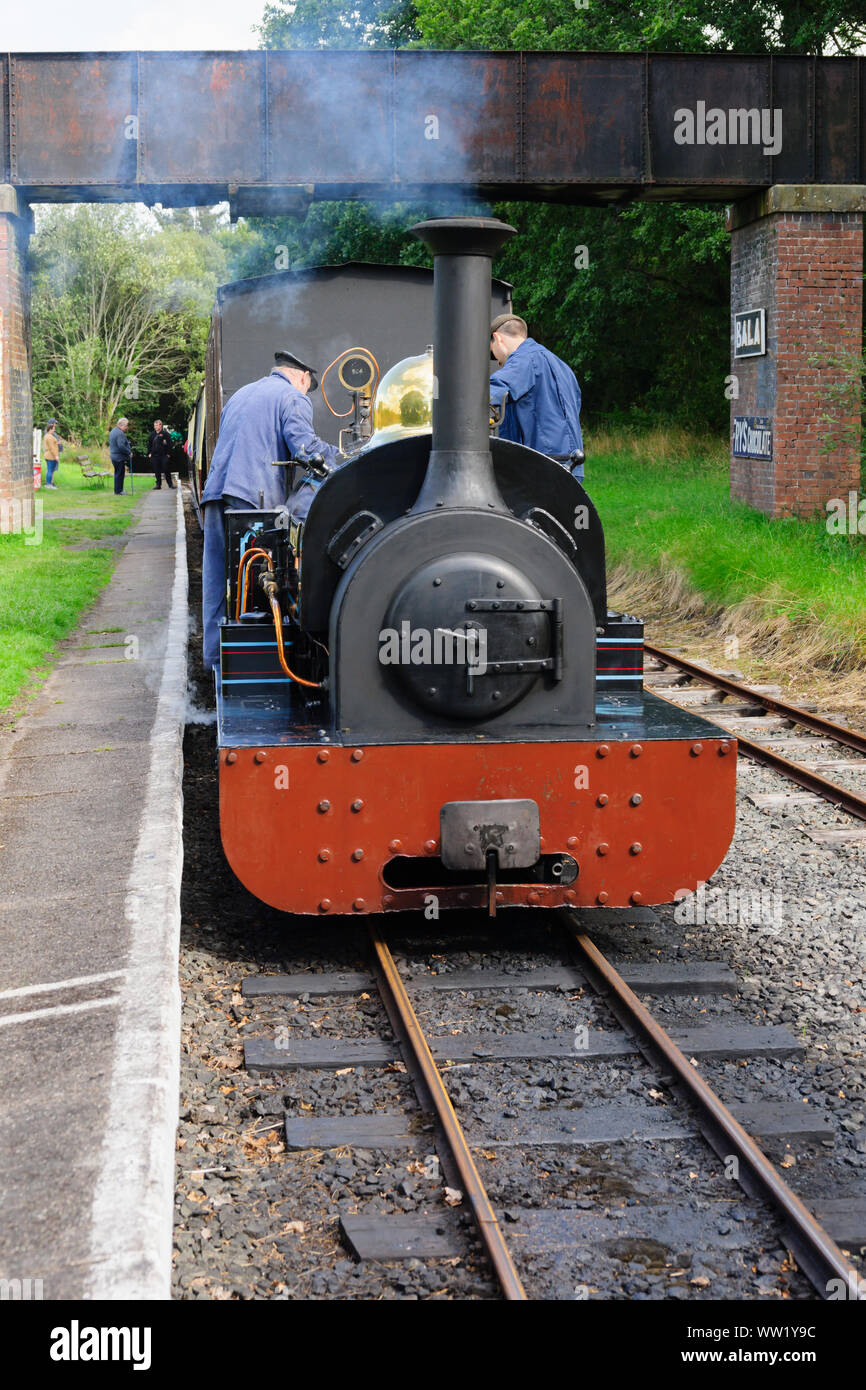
column 404, row 400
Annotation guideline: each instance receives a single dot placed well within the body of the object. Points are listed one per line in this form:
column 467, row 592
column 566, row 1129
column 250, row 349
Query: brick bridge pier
column 797, row 253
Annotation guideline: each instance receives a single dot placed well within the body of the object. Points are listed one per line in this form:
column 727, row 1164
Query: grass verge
column 52, row 571
column 677, row 544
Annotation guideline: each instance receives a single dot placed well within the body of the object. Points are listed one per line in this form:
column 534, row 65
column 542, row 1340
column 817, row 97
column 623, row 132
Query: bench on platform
column 95, row 478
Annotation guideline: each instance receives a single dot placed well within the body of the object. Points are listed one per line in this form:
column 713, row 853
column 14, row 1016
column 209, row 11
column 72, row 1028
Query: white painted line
column 61, row 984
column 133, row 1202
column 7, row 1019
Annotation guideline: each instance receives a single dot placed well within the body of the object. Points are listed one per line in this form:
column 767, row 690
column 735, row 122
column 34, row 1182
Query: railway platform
column 90, row 869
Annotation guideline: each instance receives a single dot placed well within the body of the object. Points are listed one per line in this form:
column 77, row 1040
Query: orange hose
column 245, row 566
column 278, row 625
column 244, row 560
column 248, row 555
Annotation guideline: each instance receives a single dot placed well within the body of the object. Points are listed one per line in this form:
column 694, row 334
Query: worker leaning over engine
column 267, row 420
column 543, row 405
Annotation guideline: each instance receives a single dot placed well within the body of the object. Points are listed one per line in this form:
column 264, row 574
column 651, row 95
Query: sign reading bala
column 753, row 437
column 750, row 335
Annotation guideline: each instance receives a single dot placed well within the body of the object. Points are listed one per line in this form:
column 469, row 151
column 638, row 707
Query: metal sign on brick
column 750, row 333
column 753, row 437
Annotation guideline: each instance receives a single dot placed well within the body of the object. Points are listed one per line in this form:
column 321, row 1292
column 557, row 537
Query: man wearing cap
column 543, row 405
column 267, row 420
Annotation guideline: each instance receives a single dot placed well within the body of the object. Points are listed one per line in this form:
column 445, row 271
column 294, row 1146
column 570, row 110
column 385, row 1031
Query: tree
column 121, row 303
column 334, row 24
column 684, row 26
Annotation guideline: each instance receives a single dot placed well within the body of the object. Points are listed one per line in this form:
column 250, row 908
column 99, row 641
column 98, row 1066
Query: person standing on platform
column 159, row 447
column 120, row 452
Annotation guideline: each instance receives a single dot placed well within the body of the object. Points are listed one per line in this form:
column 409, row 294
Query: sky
column 57, row 26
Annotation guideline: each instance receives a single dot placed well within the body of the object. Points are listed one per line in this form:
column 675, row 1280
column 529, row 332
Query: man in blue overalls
column 268, row 420
column 543, row 406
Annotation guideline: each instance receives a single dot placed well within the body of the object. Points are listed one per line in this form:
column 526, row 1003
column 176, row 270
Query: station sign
column 753, row 437
column 750, row 333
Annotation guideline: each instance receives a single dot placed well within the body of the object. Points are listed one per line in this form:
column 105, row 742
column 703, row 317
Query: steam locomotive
column 423, row 700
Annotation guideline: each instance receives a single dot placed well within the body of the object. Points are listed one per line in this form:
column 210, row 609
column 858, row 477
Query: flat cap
column 502, row 319
column 507, row 318
column 288, row 359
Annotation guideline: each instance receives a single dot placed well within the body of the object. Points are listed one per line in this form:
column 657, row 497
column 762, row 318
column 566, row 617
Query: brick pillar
column 16, row 405
column 797, row 252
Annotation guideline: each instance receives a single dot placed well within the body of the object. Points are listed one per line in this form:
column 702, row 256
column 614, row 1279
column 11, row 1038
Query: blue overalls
column 543, row 408
column 268, row 420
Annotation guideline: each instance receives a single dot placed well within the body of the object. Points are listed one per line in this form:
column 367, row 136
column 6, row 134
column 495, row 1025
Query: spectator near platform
column 542, row 408
column 52, row 446
column 120, row 452
column 159, row 447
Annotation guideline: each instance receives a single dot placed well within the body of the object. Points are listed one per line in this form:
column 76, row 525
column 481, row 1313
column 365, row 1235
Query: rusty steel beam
column 267, row 128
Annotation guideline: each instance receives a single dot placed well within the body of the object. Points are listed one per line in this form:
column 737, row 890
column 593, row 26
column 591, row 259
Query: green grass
column 45, row 586
column 665, row 505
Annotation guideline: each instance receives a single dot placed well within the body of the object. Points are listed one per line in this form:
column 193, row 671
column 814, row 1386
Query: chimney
column 460, row 470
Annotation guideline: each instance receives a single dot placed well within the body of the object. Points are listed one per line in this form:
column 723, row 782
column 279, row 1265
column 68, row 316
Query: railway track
column 785, row 717
column 430, row 1058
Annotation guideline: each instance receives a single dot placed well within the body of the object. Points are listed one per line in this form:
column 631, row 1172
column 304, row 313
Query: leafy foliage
column 117, row 310
column 121, row 306
column 334, row 24
column 690, row 26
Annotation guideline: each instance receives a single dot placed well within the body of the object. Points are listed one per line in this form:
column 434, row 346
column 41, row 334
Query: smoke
column 195, row 713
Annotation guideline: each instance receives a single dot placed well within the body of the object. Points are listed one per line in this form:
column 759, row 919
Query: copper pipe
column 243, row 567
column 281, row 651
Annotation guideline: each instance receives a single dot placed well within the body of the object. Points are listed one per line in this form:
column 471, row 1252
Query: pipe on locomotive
column 460, row 470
